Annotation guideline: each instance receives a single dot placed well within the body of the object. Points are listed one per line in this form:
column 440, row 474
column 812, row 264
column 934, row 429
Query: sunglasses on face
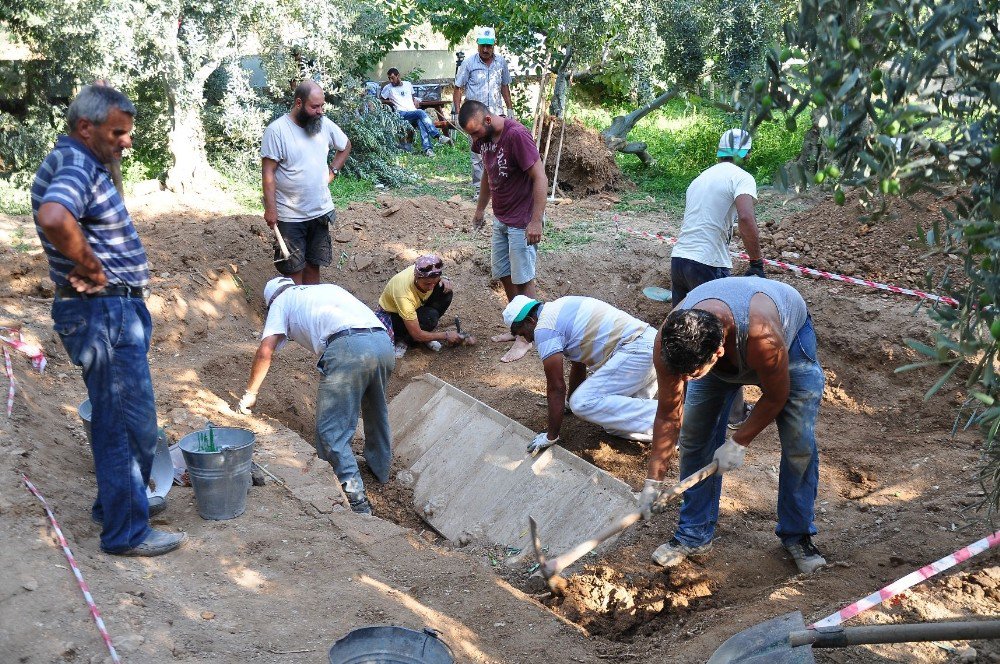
column 431, row 270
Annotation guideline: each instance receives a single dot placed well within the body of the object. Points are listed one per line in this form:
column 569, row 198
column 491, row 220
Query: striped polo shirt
column 73, row 177
column 584, row 330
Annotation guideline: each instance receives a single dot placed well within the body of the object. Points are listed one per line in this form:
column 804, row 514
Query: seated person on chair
column 399, row 94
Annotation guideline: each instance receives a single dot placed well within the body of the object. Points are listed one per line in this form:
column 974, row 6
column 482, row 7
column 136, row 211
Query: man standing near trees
column 483, row 77
column 721, row 197
column 99, row 268
column 516, row 182
column 296, row 178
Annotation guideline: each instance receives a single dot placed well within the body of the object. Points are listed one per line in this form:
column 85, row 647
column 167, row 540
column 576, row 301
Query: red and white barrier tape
column 34, row 352
column 808, row 271
column 908, row 581
column 76, row 572
column 10, row 379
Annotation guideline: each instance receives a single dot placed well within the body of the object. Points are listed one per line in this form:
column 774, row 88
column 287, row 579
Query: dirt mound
column 586, row 166
column 832, row 237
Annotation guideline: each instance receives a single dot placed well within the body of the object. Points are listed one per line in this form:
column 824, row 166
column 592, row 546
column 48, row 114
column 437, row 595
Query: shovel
column 550, row 569
column 281, row 246
column 785, row 639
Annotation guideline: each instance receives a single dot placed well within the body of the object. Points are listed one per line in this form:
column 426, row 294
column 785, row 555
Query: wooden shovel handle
column 281, row 244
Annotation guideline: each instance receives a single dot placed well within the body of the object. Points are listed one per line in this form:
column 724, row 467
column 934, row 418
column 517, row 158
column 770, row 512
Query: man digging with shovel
column 725, row 334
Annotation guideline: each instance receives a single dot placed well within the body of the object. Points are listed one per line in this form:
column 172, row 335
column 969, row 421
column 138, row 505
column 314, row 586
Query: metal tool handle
column 558, row 564
column 841, row 637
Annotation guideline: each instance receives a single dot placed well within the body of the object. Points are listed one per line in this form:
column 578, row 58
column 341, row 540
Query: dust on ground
column 282, row 582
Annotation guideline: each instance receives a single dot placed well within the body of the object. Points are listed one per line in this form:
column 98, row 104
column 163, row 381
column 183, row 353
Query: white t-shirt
column 710, row 212
column 309, row 315
column 400, row 95
column 301, row 188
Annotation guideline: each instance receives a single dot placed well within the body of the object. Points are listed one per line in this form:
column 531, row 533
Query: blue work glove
column 756, row 269
column 541, row 443
column 730, row 456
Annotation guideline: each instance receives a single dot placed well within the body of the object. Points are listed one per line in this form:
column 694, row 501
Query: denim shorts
column 307, row 241
column 511, row 254
column 686, row 275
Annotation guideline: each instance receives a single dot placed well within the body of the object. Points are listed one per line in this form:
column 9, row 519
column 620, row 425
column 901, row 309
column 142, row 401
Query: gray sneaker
column 156, row 544
column 806, row 556
column 445, row 140
column 673, row 552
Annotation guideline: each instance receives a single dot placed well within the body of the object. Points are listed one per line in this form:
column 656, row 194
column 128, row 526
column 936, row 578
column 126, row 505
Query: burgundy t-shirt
column 507, row 163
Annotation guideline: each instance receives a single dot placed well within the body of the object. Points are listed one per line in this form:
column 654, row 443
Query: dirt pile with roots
column 586, row 165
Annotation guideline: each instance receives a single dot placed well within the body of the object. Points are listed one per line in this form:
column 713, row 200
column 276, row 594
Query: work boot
column 806, row 556
column 359, row 503
column 156, row 544
column 673, row 552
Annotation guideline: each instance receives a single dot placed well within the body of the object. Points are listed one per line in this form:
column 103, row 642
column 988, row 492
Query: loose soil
column 586, row 165
column 297, row 571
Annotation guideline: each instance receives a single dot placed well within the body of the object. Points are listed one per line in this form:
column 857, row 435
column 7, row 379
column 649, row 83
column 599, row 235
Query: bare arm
column 539, row 193
column 767, row 355
column 748, row 226
column 555, row 392
column 422, row 336
column 267, row 170
column 667, row 422
column 505, row 93
column 456, row 99
column 262, row 361
column 339, row 159
column 577, row 374
column 62, row 230
column 484, row 198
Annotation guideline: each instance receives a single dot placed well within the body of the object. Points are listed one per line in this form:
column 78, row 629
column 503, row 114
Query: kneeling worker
column 356, row 361
column 725, row 334
column 412, row 303
column 614, row 347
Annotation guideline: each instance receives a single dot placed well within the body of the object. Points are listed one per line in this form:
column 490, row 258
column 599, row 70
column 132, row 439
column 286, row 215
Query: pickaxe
column 550, row 569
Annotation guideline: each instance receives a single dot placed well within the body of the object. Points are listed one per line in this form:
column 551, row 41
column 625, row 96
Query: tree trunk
column 615, row 136
column 190, row 170
column 561, row 88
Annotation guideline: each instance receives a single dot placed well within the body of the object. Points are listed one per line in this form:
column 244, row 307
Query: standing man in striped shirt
column 616, row 350
column 99, row 268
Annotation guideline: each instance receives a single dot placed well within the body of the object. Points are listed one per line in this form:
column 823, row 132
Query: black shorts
column 307, row 242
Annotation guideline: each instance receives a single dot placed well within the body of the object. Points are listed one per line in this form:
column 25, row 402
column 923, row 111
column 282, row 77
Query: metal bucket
column 220, row 479
column 387, row 644
column 161, row 476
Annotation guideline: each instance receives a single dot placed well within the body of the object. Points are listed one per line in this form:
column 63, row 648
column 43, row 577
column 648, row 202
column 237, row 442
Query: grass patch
column 14, row 200
column 19, row 242
column 571, row 236
column 683, row 138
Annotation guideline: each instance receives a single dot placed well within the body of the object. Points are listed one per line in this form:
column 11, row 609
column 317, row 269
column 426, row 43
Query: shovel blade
column 766, row 643
column 536, row 544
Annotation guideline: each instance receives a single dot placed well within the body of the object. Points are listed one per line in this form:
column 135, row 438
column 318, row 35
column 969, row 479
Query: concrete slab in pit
column 472, row 477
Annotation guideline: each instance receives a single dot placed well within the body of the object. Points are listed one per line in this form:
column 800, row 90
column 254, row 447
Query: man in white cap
column 356, row 360
column 483, row 77
column 717, row 200
column 614, row 348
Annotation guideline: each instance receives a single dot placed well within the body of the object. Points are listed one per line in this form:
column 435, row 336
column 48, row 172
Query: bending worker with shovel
column 725, row 334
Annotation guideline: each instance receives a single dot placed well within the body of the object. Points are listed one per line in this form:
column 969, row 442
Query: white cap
column 486, row 36
column 271, row 287
column 518, row 309
column 734, row 142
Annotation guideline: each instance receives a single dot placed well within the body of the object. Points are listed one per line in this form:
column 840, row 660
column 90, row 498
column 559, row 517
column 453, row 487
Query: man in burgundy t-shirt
column 517, row 185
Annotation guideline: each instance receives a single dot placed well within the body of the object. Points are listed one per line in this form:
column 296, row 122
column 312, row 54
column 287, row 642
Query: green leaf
column 942, row 380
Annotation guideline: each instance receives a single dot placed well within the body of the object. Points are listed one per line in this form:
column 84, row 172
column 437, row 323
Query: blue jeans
column 686, row 275
column 704, row 430
column 422, row 121
column 109, row 338
column 356, row 369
